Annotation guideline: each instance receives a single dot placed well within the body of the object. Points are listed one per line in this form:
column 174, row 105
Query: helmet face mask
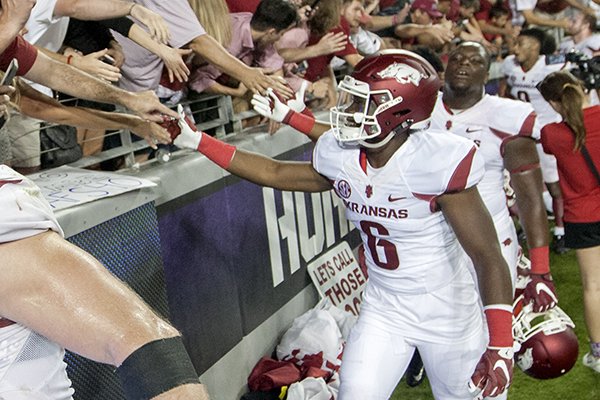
column 354, row 116
column 386, row 93
column 549, row 346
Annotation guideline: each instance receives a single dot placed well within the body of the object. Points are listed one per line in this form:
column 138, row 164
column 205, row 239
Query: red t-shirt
column 317, row 66
column 551, row 6
column 237, row 6
column 454, row 13
column 23, row 51
column 581, row 190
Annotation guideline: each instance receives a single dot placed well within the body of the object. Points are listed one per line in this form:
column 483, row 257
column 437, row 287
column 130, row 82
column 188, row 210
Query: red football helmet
column 549, row 346
column 388, row 92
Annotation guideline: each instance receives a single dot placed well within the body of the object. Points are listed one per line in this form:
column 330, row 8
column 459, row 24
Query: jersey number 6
column 380, row 247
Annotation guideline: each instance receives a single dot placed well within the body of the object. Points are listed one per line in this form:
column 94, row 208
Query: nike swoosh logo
column 502, row 365
column 541, row 287
column 469, row 130
column 392, row 199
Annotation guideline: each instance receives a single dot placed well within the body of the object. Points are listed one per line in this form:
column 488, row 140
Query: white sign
column 338, row 277
column 66, row 187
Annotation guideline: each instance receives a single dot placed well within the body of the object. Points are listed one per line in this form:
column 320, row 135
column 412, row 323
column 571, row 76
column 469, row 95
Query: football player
column 505, row 131
column 412, row 194
column 510, row 144
column 522, row 72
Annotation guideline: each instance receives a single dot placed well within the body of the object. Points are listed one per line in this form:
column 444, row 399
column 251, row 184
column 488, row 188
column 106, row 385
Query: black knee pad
column 155, row 368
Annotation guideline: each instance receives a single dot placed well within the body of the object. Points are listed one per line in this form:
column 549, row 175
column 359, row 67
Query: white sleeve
column 446, row 163
column 523, row 5
column 521, row 121
column 41, row 17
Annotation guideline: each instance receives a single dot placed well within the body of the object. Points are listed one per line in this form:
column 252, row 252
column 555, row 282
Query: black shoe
column 558, row 245
column 415, row 373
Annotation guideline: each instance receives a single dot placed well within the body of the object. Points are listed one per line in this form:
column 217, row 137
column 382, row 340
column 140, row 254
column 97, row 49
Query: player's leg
column 450, row 366
column 375, row 356
column 66, row 295
column 451, row 357
column 558, row 234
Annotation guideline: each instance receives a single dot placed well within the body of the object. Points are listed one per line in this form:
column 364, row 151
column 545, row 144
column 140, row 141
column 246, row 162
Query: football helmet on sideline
column 390, row 92
column 549, row 346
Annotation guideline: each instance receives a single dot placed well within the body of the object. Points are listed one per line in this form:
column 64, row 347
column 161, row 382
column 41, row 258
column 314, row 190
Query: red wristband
column 299, row 121
column 395, row 20
column 308, row 113
column 219, row 152
column 540, row 260
column 499, row 321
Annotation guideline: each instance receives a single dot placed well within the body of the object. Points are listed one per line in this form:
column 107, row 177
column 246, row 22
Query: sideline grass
column 580, row 383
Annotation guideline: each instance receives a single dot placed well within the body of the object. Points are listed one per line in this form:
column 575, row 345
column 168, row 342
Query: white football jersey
column 410, row 248
column 523, row 86
column 490, row 130
column 25, row 212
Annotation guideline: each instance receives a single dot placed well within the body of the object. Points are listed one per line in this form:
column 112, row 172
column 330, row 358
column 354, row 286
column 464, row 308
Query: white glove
column 297, row 103
column 189, row 137
column 270, row 107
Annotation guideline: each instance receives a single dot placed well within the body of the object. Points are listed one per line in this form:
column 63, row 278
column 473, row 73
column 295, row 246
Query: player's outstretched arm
column 475, row 230
column 270, row 106
column 264, row 171
column 521, row 160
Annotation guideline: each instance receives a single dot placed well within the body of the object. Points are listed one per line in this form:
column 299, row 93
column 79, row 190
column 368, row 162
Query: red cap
column 429, row 6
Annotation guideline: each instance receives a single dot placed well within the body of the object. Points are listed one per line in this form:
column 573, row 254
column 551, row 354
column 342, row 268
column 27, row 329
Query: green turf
column 580, row 383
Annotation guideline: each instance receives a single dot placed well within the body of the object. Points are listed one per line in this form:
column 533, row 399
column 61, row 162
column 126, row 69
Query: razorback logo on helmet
column 402, row 73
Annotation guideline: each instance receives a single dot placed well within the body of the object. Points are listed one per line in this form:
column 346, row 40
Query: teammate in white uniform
column 30, row 365
column 61, row 296
column 505, row 132
column 522, row 72
column 412, row 194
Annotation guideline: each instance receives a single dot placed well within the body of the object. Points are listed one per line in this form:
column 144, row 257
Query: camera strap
column 590, row 162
